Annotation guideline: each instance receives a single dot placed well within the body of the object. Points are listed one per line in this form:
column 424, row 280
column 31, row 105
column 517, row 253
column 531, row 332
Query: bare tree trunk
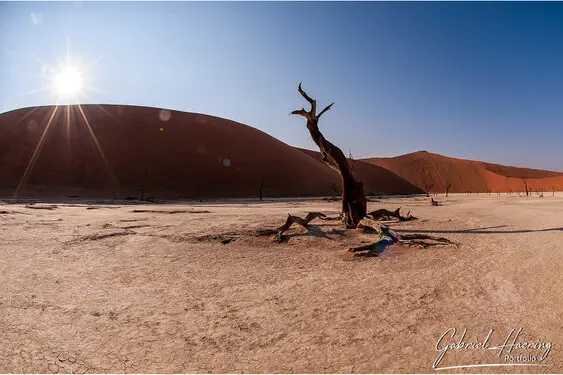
column 354, row 203
column 448, row 186
column 427, row 187
column 261, row 187
column 525, row 181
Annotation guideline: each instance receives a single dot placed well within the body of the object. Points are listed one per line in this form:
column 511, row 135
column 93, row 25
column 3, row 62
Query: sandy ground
column 101, row 288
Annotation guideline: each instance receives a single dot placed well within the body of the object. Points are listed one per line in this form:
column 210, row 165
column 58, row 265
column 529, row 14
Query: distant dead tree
column 354, row 203
column 334, row 190
column 525, row 181
column 427, row 187
column 448, row 186
column 352, row 160
column 261, row 188
column 553, row 190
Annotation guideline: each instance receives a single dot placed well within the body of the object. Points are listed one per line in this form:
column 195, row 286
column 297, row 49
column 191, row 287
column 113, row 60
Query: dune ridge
column 423, row 168
column 122, row 150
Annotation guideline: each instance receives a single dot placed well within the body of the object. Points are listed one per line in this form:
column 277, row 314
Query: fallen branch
column 39, row 207
column 435, row 203
column 297, row 220
column 172, row 211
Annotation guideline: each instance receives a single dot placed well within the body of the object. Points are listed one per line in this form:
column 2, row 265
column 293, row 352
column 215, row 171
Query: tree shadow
column 312, row 231
column 479, row 230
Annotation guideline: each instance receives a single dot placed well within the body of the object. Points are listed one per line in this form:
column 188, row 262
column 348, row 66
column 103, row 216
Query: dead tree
column 448, row 186
column 553, row 190
column 352, row 160
column 525, row 181
column 427, row 187
column 354, row 203
column 261, row 188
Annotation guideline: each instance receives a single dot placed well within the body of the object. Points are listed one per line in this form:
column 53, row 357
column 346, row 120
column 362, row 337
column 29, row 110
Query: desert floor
column 191, row 288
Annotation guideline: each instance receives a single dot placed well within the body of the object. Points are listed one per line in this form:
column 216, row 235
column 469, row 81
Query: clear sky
column 472, row 80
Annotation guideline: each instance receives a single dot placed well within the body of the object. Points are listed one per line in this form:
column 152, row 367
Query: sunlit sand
column 192, row 288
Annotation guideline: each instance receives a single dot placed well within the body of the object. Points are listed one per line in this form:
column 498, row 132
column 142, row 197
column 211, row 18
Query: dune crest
column 423, row 168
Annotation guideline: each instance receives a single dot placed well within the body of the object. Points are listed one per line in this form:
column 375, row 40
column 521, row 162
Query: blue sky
column 472, row 80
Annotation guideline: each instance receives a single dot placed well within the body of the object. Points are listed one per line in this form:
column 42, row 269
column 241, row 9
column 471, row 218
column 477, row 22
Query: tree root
column 370, row 224
column 389, row 237
column 297, row 220
column 383, row 214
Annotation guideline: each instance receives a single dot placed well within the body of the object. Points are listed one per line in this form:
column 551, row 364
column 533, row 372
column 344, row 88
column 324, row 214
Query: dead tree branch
column 354, row 203
column 291, row 219
column 389, row 237
column 383, row 214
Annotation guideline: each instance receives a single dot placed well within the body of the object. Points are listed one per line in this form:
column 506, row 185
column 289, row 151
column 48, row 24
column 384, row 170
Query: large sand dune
column 424, row 168
column 123, row 150
column 166, row 153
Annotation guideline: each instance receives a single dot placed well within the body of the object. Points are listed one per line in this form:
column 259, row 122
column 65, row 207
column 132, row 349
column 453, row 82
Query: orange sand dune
column 376, row 180
column 165, row 153
column 113, row 150
column 423, row 168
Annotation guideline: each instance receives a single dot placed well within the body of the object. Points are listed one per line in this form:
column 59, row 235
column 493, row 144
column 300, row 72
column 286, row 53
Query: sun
column 68, row 81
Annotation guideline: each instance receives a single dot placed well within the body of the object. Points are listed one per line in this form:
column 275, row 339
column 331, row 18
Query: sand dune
column 376, row 180
column 126, row 150
column 423, row 168
column 166, row 153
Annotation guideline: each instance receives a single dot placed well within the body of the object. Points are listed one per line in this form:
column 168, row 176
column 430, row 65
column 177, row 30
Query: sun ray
column 107, row 113
column 41, row 62
column 36, row 152
column 31, row 111
column 91, row 65
column 110, row 171
column 5, row 137
column 35, row 91
column 67, row 125
column 90, row 88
